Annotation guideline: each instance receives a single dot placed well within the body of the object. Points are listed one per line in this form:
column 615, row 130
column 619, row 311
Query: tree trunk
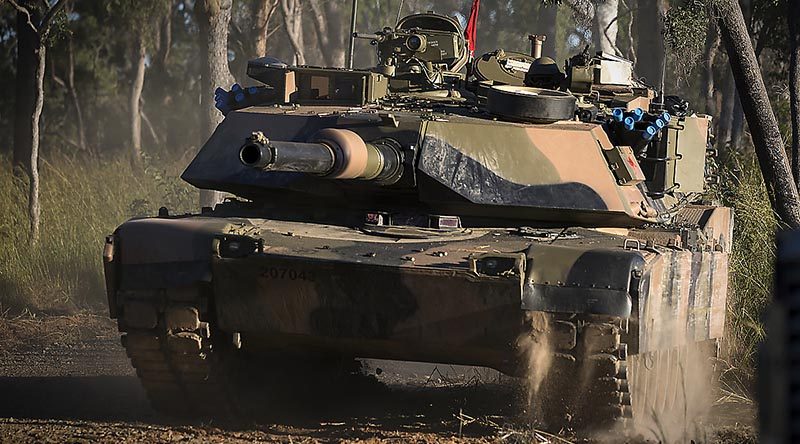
column 25, row 90
column 31, row 39
column 794, row 84
column 321, row 28
column 737, row 124
column 263, row 14
column 606, row 26
column 73, row 94
column 758, row 112
column 631, row 43
column 710, row 54
column 34, row 208
column 334, row 11
column 157, row 74
column 164, row 39
column 293, row 18
column 213, row 18
column 650, row 50
column 725, row 118
column 135, row 100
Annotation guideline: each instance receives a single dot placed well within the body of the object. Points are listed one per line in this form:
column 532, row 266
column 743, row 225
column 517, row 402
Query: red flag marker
column 472, row 27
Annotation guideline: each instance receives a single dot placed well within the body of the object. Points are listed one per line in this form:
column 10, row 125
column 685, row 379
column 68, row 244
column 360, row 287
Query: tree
column 725, row 117
column 758, row 111
column 250, row 31
column 139, row 56
column 164, row 38
column 737, row 117
column 650, row 51
column 767, row 29
column 265, row 9
column 213, row 19
column 159, row 77
column 28, row 42
column 73, row 94
column 33, row 27
column 606, row 26
column 68, row 83
column 794, row 84
column 709, row 55
column 143, row 19
column 293, row 18
column 321, row 27
column 335, row 12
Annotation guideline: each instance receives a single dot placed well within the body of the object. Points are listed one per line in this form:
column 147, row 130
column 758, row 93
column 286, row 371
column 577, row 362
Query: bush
column 82, row 202
column 751, row 267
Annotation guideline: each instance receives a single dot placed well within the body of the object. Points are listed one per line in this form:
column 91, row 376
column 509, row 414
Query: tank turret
column 510, row 137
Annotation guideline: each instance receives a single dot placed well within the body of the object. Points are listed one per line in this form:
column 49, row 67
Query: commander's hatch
column 503, row 67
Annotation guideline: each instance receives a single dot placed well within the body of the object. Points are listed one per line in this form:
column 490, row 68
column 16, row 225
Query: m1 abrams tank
column 498, row 212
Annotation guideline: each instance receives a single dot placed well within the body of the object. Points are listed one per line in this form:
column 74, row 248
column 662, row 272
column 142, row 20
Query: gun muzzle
column 333, row 153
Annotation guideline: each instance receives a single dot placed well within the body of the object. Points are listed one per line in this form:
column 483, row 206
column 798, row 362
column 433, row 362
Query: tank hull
column 461, row 296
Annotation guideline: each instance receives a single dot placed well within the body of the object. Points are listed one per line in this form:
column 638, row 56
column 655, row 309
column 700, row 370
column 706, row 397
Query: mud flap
column 556, row 299
column 580, row 280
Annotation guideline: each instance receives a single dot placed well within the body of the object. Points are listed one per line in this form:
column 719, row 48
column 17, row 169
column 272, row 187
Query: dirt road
column 66, row 379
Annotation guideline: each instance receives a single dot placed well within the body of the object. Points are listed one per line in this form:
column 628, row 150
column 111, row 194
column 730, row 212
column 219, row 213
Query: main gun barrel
column 333, row 153
column 313, row 158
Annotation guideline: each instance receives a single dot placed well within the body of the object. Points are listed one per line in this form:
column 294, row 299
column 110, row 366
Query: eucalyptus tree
column 758, row 111
column 34, row 24
column 213, row 19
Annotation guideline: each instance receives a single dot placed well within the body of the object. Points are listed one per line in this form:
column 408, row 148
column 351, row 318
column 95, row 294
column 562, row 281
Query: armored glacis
column 423, row 211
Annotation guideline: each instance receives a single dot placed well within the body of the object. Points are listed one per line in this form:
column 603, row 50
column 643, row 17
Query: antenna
column 399, row 12
column 352, row 35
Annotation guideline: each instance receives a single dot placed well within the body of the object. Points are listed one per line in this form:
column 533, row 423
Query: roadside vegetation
column 82, row 202
column 750, row 275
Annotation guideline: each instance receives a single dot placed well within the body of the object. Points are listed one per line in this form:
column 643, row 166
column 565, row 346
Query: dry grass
column 751, row 274
column 31, row 331
column 82, row 202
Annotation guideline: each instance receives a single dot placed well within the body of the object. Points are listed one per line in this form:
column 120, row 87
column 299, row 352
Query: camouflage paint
column 503, row 169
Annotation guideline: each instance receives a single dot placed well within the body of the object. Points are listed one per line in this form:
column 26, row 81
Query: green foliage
column 138, row 16
column 82, row 202
column 685, row 28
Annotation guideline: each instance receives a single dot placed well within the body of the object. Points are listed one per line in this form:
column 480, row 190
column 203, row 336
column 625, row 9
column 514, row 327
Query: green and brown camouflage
column 389, row 213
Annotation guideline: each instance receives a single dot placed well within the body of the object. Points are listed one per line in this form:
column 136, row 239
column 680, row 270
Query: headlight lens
column 237, row 246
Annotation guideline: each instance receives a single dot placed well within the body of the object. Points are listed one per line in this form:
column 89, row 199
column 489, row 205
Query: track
column 68, row 379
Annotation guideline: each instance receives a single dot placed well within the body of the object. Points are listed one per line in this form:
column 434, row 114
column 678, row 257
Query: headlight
column 238, row 246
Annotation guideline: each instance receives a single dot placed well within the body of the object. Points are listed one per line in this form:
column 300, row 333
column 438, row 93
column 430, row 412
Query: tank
column 501, row 211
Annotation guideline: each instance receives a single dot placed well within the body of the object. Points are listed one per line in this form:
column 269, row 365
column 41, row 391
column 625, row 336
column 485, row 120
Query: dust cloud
column 536, row 348
column 672, row 393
